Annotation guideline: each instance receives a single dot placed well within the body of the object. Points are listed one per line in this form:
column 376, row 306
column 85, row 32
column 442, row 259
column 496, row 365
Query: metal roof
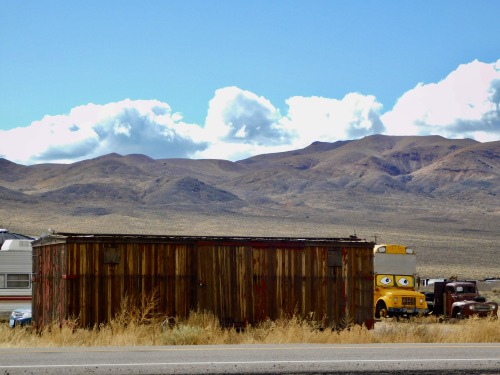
column 61, row 237
column 6, row 235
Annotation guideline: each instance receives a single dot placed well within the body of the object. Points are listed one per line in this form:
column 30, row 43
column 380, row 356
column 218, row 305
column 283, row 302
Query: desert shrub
column 141, row 326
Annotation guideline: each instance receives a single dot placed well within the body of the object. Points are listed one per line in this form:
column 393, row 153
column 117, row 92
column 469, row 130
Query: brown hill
column 464, row 172
column 186, row 191
column 438, row 195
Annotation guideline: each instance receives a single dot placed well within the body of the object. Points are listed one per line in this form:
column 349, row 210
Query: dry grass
column 138, row 327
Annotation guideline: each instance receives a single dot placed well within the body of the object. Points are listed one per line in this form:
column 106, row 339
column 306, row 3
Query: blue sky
column 231, row 79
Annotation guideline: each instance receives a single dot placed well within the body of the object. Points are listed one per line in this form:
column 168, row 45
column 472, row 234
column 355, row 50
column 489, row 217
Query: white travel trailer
column 15, row 273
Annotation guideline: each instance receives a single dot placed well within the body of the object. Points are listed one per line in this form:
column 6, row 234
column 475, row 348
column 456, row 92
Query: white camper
column 15, row 275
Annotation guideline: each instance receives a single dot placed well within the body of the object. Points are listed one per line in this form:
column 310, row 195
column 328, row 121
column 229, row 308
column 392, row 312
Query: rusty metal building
column 240, row 279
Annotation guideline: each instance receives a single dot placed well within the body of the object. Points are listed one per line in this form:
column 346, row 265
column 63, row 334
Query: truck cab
column 395, row 280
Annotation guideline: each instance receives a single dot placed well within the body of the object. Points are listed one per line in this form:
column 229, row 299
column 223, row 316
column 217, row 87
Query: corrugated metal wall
column 241, row 280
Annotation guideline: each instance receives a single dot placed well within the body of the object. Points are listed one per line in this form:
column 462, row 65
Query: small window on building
column 21, row 280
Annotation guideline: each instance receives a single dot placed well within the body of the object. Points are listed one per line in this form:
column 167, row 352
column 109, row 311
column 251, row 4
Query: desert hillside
column 440, row 196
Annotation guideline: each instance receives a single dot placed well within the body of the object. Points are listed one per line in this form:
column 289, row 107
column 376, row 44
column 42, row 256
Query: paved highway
column 257, row 359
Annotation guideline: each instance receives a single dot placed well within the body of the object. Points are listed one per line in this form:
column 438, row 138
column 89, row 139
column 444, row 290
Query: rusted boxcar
column 242, row 280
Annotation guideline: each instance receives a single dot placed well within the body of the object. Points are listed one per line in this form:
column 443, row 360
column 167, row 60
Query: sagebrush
column 138, row 327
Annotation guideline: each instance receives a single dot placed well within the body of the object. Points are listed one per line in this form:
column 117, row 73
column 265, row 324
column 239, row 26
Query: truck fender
column 458, row 304
column 456, row 309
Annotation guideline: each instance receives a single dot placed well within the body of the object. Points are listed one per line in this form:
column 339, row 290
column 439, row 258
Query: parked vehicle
column 15, row 271
column 20, row 317
column 459, row 299
column 395, row 272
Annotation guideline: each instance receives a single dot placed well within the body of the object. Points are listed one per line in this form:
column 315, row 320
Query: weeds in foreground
column 133, row 327
column 140, row 326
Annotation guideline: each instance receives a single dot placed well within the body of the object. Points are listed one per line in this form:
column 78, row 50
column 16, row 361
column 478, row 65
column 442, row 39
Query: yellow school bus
column 395, row 279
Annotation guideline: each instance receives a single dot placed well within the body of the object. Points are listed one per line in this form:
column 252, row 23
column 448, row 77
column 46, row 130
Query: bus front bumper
column 407, row 311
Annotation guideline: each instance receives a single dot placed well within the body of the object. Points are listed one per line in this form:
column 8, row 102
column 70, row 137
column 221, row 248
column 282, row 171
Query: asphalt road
column 257, row 359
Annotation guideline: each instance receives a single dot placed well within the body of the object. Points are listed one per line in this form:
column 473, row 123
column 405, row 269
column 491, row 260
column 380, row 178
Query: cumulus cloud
column 463, row 105
column 243, row 124
column 240, row 116
column 240, row 123
column 130, row 126
column 323, row 119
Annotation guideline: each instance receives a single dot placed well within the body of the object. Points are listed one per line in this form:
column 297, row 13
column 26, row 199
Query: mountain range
column 442, row 195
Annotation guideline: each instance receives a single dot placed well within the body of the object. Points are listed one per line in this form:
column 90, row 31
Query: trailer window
column 20, row 280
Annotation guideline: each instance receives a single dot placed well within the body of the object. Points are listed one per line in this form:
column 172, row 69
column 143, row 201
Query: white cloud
column 328, row 120
column 243, row 124
column 240, row 123
column 463, row 105
column 130, row 126
column 239, row 116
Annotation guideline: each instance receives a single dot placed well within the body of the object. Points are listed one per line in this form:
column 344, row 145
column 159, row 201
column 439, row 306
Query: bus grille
column 409, row 301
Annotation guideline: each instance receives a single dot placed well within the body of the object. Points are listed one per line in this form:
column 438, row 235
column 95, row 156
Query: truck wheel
column 457, row 314
column 381, row 310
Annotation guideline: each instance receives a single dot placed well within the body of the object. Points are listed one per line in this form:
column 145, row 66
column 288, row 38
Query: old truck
column 395, row 280
column 459, row 299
